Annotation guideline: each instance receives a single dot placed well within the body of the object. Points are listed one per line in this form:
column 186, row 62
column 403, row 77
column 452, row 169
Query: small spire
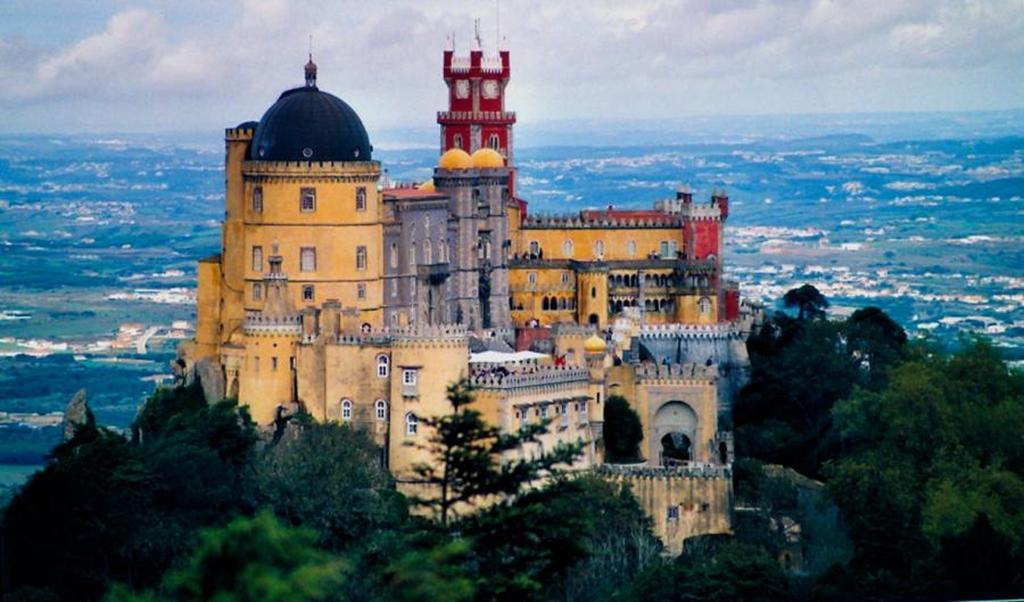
column 310, row 66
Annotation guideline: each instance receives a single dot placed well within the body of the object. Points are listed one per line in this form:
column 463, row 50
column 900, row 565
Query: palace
column 338, row 294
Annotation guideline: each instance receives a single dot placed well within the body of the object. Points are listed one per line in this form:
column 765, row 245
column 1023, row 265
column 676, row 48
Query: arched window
column 599, row 249
column 382, row 410
column 457, row 141
column 428, row 252
column 346, row 409
column 704, row 306
column 567, row 249
column 544, row 304
column 360, row 258
column 494, row 142
column 383, row 366
column 393, row 255
column 411, row 424
column 631, row 248
column 412, row 255
column 593, row 292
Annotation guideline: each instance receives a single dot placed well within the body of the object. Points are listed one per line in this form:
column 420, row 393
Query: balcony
column 460, row 117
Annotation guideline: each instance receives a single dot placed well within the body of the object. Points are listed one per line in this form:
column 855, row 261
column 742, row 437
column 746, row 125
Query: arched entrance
column 675, row 431
column 676, row 446
column 593, row 319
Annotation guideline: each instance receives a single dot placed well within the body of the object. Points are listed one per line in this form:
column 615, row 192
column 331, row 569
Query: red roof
column 410, row 193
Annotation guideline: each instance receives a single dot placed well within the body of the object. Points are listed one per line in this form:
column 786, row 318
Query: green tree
column 257, row 559
column 108, row 509
column 925, row 458
column 735, row 572
column 329, row 478
column 578, row 538
column 469, row 466
column 808, row 300
column 622, row 431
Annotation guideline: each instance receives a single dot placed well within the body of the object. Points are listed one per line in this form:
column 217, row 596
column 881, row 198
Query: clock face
column 462, row 88
column 490, row 89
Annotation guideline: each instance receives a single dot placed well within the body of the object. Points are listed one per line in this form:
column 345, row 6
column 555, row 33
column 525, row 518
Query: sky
column 191, row 66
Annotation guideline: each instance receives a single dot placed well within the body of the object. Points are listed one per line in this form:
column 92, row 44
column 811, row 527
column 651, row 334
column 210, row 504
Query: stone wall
column 682, row 502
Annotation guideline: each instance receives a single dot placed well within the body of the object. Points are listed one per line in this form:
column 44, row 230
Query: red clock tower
column 476, row 115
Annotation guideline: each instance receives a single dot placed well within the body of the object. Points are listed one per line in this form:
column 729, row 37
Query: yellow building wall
column 688, row 309
column 550, row 282
column 335, row 228
column 584, row 241
column 351, row 373
column 592, row 297
column 233, row 233
column 439, row 361
column 208, row 295
column 704, row 504
column 261, row 387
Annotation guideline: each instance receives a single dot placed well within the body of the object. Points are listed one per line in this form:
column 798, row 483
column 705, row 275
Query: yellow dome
column 455, row 158
column 487, row 158
column 595, row 344
column 427, row 186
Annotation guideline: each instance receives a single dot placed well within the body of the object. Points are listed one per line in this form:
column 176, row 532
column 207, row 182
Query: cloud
column 598, row 58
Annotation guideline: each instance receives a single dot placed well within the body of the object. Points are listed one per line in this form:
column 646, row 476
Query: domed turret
column 427, row 186
column 487, row 158
column 307, row 124
column 455, row 158
column 595, row 344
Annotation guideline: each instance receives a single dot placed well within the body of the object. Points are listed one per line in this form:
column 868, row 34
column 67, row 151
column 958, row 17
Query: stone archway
column 675, row 431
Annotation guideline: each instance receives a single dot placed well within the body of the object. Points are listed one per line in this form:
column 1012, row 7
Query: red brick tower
column 476, row 115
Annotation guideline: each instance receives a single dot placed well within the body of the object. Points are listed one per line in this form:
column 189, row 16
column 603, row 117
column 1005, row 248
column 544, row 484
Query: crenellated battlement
column 689, row 470
column 339, row 171
column 690, row 331
column 258, row 324
column 577, row 221
column 676, row 372
column 541, row 376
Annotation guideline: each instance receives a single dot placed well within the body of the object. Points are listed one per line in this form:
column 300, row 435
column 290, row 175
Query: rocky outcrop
column 76, row 415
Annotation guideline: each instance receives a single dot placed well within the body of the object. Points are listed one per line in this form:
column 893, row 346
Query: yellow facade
column 291, row 313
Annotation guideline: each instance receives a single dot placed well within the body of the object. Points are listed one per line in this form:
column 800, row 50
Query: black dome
column 306, row 124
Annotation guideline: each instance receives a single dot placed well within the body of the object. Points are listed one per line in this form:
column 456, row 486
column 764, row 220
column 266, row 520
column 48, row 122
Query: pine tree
column 468, row 454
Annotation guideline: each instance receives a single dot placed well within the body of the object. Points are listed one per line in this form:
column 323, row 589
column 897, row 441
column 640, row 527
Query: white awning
column 501, row 357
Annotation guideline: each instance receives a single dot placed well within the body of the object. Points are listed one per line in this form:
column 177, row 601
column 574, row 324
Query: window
column 257, row 199
column 565, row 277
column 361, row 198
column 599, row 249
column 631, row 248
column 411, row 424
column 307, row 259
column 704, row 306
column 457, row 141
column 428, row 252
column 393, row 255
column 346, row 409
column 494, row 142
column 534, row 247
column 307, row 292
column 544, row 411
column 664, row 249
column 383, row 365
column 360, row 258
column 412, row 255
column 257, row 259
column 273, row 364
column 382, row 410
column 532, row 277
column 257, row 291
column 673, row 513
column 360, row 291
column 567, row 249
column 583, row 407
column 409, row 376
column 593, row 292
column 307, row 199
